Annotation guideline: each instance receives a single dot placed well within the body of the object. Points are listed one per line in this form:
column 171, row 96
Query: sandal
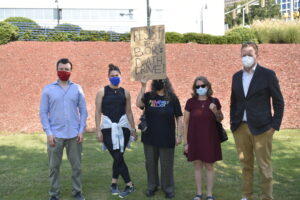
column 210, row 198
column 198, row 197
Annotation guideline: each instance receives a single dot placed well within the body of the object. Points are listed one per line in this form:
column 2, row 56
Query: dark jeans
column 166, row 157
column 119, row 166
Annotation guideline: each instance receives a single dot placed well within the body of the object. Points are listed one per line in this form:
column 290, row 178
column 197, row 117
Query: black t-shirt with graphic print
column 160, row 117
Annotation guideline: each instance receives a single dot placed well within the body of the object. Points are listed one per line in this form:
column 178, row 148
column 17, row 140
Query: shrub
column 22, row 23
column 218, row 40
column 27, row 35
column 68, row 28
column 94, row 36
column 233, row 38
column 199, row 38
column 246, row 34
column 42, row 38
column 173, row 37
column 8, row 32
column 125, row 37
column 190, row 37
column 58, row 36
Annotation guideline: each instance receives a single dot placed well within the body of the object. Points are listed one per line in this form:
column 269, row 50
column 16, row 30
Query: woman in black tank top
column 113, row 102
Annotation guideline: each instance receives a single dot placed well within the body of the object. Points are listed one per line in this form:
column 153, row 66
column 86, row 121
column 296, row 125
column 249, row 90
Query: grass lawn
column 24, row 170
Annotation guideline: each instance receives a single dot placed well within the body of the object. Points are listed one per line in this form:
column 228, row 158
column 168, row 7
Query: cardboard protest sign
column 148, row 53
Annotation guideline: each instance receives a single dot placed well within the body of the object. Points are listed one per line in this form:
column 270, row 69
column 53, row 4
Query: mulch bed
column 26, row 67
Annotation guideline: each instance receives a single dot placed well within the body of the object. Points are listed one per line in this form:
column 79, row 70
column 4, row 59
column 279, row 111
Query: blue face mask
column 115, row 80
column 201, row 91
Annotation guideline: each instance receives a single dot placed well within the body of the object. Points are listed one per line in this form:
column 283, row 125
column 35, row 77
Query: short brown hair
column 206, row 82
column 63, row 61
column 250, row 44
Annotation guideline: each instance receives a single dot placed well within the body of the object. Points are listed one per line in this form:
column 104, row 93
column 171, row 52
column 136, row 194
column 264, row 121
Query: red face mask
column 63, row 75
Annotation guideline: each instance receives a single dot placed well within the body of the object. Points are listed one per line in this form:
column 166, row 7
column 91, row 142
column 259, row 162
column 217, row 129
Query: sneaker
column 244, row 199
column 114, row 189
column 79, row 196
column 53, row 198
column 128, row 189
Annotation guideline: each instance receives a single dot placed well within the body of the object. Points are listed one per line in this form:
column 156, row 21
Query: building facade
column 202, row 16
column 229, row 3
column 286, row 6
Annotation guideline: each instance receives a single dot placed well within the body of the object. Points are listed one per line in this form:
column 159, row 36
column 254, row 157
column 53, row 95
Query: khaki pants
column 55, row 157
column 260, row 146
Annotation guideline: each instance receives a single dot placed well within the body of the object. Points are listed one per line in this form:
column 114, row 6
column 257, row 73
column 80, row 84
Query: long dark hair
column 168, row 89
column 206, row 82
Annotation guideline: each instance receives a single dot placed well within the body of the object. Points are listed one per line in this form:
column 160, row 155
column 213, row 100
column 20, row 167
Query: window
column 32, row 13
column 283, row 6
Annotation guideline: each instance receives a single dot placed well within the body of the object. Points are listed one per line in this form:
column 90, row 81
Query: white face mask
column 248, row 61
column 201, row 91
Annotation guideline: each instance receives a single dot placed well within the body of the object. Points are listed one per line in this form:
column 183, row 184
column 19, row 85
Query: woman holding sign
column 115, row 125
column 201, row 140
column 163, row 117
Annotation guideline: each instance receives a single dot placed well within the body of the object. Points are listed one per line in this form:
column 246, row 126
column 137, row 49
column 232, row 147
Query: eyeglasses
column 202, row 86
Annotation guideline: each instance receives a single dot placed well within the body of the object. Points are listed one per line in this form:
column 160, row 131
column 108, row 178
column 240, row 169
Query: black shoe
column 151, row 193
column 79, row 196
column 53, row 198
column 114, row 189
column 170, row 195
column 128, row 189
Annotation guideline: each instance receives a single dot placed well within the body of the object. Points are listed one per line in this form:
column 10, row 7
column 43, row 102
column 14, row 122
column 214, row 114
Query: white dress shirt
column 247, row 77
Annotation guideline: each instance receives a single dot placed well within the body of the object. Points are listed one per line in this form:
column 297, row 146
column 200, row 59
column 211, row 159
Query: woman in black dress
column 114, row 126
column 163, row 116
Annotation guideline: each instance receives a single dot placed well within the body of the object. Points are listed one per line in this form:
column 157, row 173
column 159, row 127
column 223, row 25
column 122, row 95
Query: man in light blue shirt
column 63, row 115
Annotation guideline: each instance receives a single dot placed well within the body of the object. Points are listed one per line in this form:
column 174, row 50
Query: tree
column 256, row 12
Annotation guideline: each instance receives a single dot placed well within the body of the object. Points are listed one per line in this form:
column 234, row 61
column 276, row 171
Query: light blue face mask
column 201, row 91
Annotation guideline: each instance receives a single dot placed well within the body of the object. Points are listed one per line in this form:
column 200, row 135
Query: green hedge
column 173, row 37
column 245, row 34
column 22, row 22
column 68, row 27
column 268, row 31
column 8, row 32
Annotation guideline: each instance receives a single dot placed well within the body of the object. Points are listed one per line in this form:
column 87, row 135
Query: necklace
column 202, row 104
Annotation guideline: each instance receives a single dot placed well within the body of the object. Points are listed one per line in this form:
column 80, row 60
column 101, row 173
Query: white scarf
column 117, row 136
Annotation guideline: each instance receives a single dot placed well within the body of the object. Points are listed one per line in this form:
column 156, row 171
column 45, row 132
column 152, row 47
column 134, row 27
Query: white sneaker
column 244, row 199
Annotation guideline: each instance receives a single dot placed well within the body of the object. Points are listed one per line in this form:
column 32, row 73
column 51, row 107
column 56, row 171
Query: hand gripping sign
column 148, row 53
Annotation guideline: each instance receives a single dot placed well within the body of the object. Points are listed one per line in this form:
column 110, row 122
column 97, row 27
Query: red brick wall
column 26, row 67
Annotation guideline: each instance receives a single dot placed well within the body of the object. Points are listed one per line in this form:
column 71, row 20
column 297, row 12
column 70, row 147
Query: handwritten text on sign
column 148, row 53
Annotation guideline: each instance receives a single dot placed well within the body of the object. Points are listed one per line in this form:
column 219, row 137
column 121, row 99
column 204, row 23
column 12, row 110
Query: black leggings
column 119, row 165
